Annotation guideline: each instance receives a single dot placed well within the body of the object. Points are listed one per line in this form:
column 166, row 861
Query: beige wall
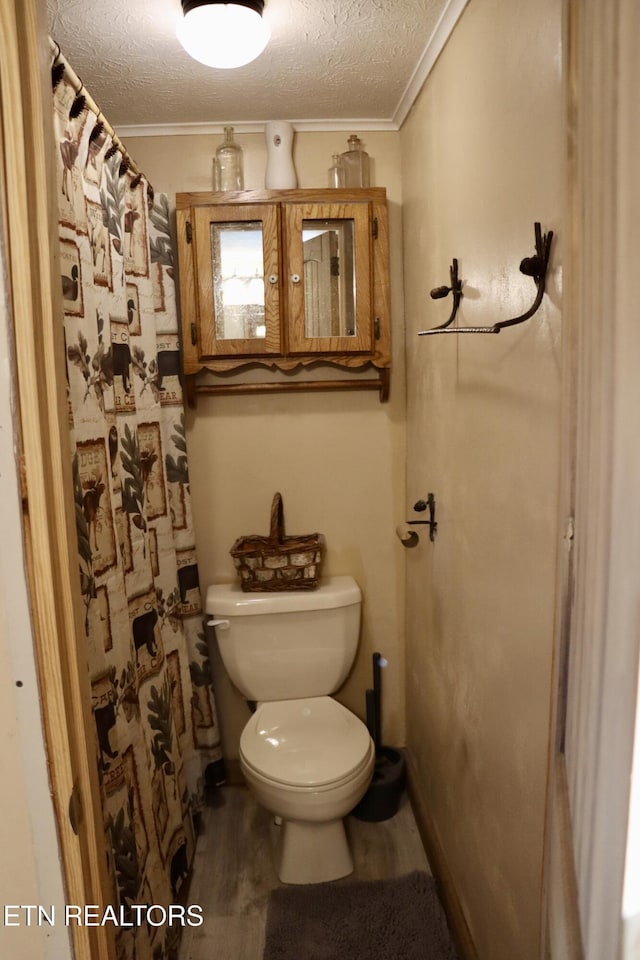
column 338, row 459
column 483, row 158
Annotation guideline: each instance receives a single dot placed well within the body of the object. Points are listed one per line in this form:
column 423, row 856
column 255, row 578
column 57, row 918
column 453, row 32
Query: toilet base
column 312, row 852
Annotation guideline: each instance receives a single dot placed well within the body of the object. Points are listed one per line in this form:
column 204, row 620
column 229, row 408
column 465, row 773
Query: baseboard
column 437, row 860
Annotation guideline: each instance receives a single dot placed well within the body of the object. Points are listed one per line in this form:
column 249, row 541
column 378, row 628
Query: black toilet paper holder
column 420, row 506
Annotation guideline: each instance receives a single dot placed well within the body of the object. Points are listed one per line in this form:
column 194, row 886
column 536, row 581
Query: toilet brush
column 372, row 702
column 378, row 661
column 382, row 798
column 372, row 726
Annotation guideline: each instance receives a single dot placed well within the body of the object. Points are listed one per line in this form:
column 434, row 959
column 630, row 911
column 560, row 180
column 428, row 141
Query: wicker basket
column 277, row 562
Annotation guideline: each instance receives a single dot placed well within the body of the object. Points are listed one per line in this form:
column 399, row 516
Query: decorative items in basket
column 278, row 562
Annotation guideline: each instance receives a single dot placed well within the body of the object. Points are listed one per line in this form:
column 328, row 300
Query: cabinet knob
column 295, row 278
column 273, row 278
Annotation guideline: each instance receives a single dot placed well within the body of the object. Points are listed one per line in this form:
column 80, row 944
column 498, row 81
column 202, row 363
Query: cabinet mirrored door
column 236, row 255
column 328, row 281
column 329, row 278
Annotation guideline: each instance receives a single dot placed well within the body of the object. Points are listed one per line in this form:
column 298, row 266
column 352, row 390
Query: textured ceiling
column 326, row 60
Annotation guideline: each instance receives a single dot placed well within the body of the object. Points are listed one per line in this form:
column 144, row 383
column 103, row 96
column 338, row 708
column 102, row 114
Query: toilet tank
column 290, row 644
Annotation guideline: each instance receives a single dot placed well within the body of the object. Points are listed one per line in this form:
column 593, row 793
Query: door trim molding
column 48, row 517
column 598, row 617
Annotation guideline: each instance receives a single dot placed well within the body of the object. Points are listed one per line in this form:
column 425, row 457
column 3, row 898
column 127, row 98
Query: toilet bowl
column 309, row 762
column 305, row 757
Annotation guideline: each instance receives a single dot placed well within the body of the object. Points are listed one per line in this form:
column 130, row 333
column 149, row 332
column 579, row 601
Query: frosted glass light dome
column 223, row 35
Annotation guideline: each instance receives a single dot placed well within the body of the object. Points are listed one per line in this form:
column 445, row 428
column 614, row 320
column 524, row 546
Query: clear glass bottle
column 228, row 171
column 355, row 164
column 336, row 172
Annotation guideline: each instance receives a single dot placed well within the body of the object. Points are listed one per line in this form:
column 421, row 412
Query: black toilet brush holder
column 382, row 799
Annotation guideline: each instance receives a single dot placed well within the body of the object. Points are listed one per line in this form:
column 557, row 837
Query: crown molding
column 435, row 44
column 250, row 126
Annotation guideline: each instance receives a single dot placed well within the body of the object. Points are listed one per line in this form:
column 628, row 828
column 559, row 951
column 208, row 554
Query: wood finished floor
column 233, row 871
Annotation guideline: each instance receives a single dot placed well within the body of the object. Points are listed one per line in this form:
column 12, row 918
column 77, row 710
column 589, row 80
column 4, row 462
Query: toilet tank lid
column 228, row 599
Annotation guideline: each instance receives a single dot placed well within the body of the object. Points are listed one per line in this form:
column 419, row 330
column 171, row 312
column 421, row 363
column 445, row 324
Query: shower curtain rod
column 79, row 87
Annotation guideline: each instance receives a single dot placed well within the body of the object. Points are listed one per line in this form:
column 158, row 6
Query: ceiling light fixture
column 222, row 34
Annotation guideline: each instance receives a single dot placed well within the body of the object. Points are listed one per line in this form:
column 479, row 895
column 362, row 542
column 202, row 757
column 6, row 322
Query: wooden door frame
column 596, row 668
column 30, row 218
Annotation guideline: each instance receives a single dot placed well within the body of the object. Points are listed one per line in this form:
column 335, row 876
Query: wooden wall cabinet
column 284, row 280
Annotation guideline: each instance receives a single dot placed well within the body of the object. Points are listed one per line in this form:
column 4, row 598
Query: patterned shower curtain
column 152, row 700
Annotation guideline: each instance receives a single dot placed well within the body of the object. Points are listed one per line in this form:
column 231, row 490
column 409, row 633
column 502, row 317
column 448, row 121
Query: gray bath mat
column 396, row 919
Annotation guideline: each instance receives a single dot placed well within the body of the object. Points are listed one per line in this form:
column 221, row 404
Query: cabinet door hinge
column 374, row 228
column 376, row 328
column 194, row 334
column 188, row 231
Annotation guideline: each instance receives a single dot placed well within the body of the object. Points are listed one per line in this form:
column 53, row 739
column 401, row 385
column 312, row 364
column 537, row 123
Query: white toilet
column 305, row 757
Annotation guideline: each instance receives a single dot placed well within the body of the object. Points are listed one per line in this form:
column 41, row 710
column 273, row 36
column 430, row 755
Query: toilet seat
column 313, row 742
